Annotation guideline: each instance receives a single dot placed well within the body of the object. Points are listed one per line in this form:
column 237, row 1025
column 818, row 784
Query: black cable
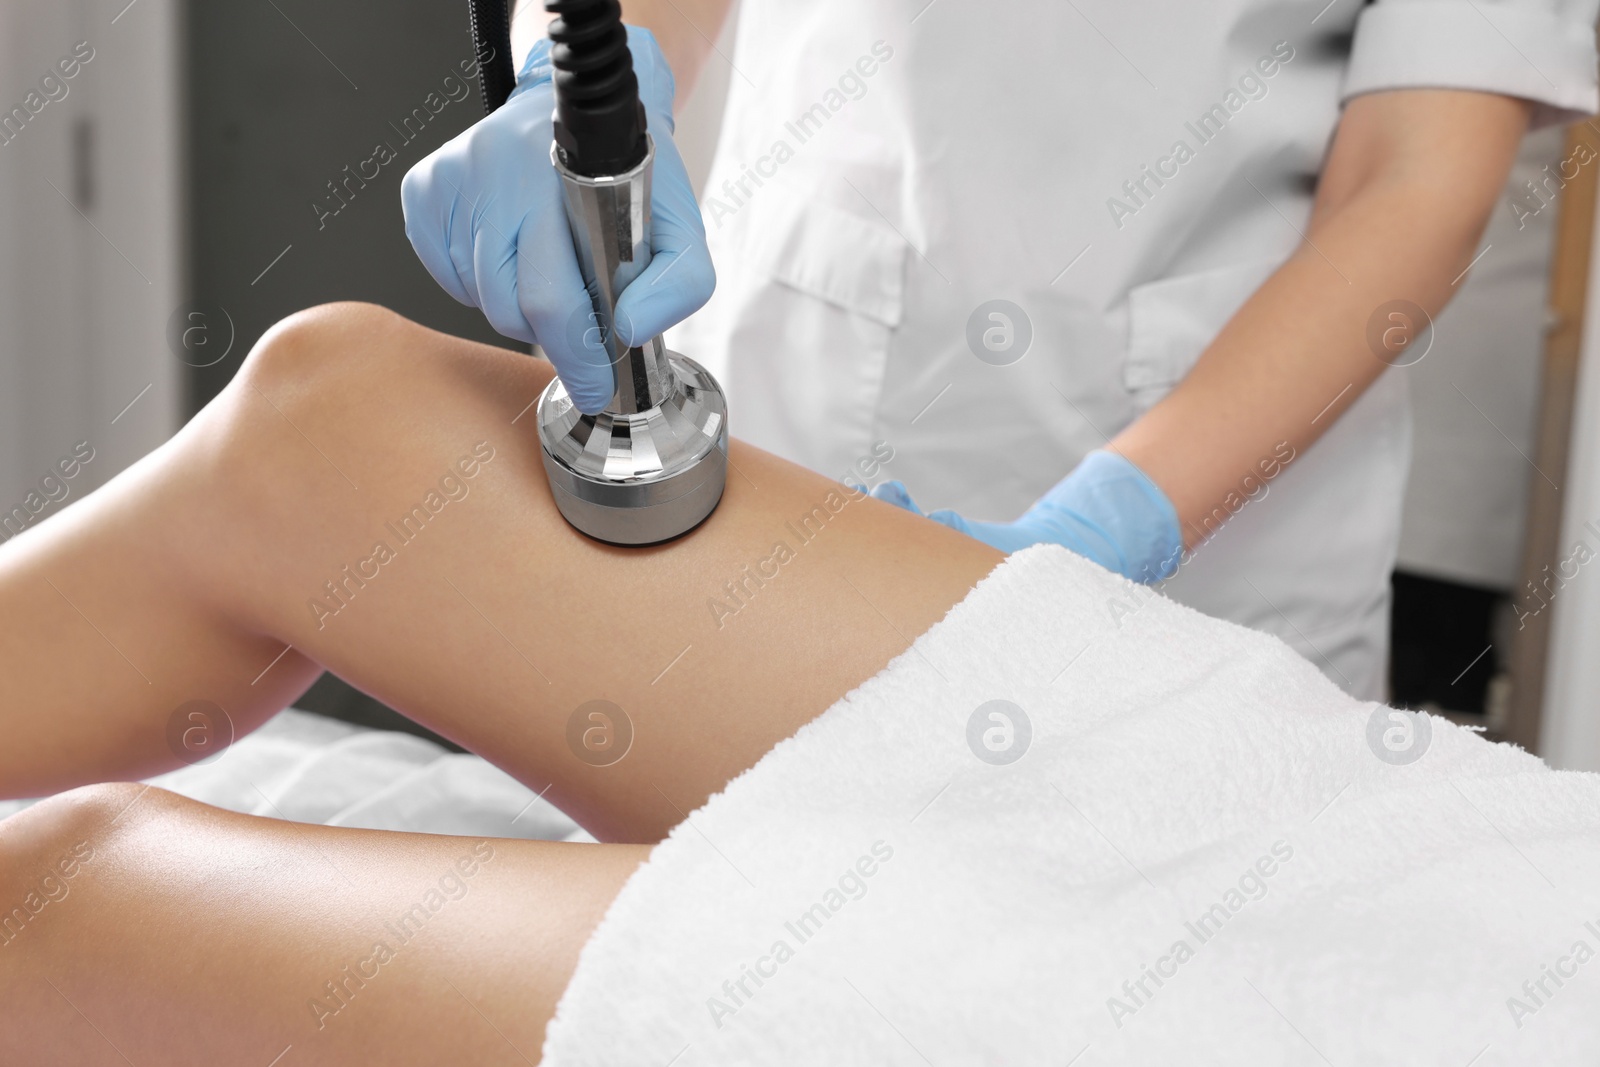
column 491, row 40
column 599, row 121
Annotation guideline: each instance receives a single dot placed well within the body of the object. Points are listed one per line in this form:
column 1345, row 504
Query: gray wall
column 90, row 259
column 283, row 96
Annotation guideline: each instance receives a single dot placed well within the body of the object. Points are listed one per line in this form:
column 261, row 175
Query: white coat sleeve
column 1540, row 50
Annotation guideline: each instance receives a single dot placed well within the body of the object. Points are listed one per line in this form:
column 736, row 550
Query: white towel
column 1201, row 858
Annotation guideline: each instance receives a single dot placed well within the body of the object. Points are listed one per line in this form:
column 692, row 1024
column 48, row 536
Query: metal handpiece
column 653, row 464
column 610, row 220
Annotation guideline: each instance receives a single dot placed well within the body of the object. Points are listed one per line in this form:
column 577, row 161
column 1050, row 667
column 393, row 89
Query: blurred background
column 195, row 180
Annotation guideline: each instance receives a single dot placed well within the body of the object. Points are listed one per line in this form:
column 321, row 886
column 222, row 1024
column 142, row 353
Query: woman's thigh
column 369, row 495
column 141, row 927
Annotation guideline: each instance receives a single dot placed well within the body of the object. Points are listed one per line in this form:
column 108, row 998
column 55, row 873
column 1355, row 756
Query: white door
column 90, row 243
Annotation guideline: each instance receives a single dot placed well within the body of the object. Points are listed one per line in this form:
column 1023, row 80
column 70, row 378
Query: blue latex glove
column 1106, row 509
column 485, row 215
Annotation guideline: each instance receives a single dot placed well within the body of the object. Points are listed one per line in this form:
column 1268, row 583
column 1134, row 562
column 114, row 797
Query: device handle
column 610, row 221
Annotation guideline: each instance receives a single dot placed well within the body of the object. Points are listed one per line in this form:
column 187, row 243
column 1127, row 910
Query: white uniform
column 1125, row 174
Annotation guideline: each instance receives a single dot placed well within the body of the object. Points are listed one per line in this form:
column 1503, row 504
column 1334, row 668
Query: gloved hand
column 485, row 215
column 1107, row 509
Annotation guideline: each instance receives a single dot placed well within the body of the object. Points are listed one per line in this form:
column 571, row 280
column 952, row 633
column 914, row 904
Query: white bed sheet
column 308, row 768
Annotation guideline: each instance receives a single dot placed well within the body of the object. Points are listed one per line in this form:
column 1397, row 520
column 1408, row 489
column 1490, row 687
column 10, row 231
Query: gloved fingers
column 485, row 215
column 552, row 297
column 895, row 492
column 1005, row 536
column 495, row 268
column 1077, row 532
column 429, row 205
column 461, row 244
column 674, row 286
column 1092, row 541
column 680, row 277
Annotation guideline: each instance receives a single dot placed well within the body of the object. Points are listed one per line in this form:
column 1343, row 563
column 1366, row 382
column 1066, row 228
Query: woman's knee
column 46, row 847
column 305, row 365
column 299, row 402
column 341, row 417
column 363, row 372
column 90, row 810
column 317, row 347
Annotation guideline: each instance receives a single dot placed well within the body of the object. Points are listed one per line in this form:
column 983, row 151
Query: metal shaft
column 610, row 221
column 653, row 463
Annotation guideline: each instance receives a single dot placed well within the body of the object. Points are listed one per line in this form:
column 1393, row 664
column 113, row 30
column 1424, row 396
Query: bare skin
column 687, row 31
column 193, row 936
column 190, row 935
column 187, row 576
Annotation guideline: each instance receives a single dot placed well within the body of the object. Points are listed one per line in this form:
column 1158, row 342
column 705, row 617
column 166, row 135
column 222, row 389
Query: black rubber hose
column 599, row 121
column 491, row 41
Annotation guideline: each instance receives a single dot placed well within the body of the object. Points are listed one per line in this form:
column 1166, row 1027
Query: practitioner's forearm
column 686, row 30
column 1408, row 189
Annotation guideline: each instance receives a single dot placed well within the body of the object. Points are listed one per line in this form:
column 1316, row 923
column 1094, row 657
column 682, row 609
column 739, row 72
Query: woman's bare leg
column 493, row 623
column 189, row 935
column 139, row 927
